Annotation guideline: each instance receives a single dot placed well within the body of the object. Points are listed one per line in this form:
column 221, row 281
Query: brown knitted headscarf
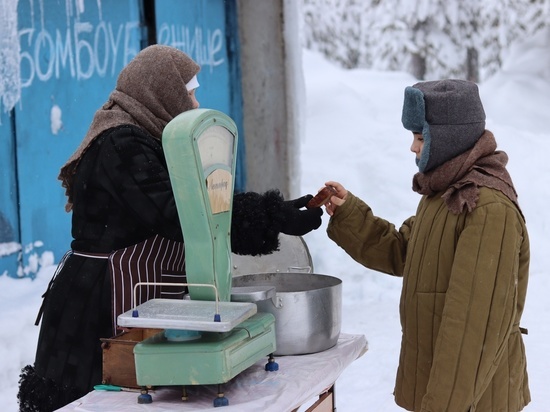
column 149, row 93
column 461, row 177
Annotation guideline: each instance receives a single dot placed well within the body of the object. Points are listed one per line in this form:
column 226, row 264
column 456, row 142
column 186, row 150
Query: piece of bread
column 322, row 197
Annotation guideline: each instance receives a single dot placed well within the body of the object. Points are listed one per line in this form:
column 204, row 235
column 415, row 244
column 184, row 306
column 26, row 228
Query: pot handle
column 277, row 301
column 305, row 269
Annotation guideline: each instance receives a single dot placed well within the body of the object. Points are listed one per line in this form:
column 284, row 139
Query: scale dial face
column 216, row 145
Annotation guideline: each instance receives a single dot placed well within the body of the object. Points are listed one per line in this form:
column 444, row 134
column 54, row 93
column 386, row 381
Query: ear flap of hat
column 414, row 110
column 414, row 119
column 426, row 149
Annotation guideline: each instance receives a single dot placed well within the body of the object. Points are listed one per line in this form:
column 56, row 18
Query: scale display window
column 216, row 149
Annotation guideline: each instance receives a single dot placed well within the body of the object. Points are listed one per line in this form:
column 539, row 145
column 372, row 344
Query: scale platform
column 214, row 358
column 197, row 315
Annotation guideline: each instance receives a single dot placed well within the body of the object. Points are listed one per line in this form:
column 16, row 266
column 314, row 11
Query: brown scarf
column 461, row 177
column 150, row 92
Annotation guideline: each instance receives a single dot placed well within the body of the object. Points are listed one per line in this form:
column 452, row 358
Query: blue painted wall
column 70, row 55
column 9, row 222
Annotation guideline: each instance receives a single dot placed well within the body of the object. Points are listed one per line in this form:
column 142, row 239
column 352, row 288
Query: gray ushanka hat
column 450, row 116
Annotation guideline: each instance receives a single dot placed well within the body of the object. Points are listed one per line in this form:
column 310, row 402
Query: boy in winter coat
column 126, row 227
column 464, row 259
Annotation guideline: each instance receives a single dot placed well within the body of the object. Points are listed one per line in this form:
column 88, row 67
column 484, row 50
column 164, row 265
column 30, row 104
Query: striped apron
column 156, row 259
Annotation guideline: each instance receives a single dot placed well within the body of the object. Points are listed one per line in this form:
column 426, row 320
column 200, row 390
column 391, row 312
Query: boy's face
column 417, row 144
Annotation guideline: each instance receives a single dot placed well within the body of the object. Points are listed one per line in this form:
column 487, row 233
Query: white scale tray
column 187, row 315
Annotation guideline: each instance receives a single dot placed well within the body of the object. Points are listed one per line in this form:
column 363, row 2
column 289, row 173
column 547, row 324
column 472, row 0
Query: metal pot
column 307, row 308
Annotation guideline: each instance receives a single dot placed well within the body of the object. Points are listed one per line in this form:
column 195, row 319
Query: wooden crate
column 118, row 356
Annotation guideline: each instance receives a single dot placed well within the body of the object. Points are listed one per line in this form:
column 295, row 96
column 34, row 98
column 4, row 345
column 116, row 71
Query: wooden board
column 118, row 357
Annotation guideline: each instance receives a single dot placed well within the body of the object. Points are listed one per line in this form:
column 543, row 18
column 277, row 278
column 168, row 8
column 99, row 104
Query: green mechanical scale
column 207, row 339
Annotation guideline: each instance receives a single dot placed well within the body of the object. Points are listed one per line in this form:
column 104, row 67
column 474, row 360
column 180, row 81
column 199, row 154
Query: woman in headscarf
column 125, row 224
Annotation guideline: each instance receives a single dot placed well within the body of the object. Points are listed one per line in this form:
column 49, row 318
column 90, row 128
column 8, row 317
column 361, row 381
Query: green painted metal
column 206, row 234
column 201, row 150
column 213, row 359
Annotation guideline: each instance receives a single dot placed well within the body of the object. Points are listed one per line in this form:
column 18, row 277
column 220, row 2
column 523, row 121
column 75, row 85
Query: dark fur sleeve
column 256, row 223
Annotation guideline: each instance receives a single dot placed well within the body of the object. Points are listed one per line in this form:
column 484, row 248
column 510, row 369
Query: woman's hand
column 336, row 200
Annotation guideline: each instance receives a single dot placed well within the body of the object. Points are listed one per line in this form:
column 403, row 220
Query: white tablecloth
column 299, row 379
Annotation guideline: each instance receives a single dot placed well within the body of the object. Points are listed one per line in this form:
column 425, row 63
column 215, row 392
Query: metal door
column 70, row 54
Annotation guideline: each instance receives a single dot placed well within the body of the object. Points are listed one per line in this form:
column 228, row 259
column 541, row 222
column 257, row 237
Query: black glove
column 298, row 222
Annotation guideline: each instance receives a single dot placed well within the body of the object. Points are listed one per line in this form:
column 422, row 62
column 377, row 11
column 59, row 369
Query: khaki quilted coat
column 464, row 286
